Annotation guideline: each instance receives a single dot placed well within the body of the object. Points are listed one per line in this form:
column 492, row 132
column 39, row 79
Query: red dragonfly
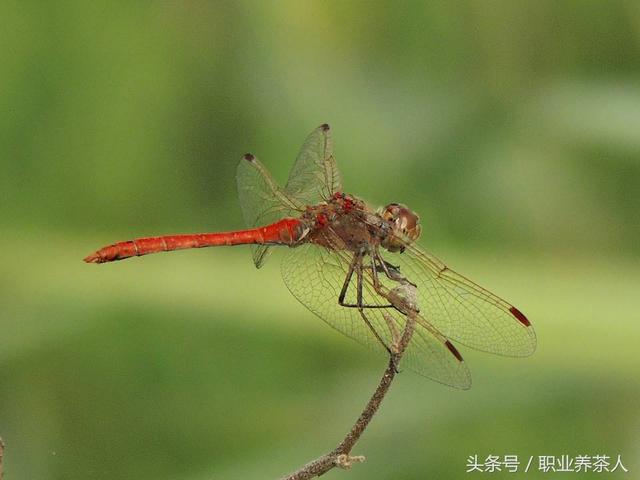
column 357, row 268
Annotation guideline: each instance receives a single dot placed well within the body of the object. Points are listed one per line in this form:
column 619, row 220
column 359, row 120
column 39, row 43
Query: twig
column 340, row 456
column 1, row 456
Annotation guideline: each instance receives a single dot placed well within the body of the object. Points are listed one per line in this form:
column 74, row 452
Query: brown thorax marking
column 344, row 222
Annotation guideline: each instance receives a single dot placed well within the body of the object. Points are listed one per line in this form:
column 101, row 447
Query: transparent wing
column 314, row 176
column 462, row 310
column 262, row 201
column 315, row 276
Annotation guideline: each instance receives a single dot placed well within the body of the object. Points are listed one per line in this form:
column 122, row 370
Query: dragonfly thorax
column 345, row 222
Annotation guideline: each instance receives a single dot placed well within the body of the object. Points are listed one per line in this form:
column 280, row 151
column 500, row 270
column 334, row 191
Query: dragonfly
column 358, row 268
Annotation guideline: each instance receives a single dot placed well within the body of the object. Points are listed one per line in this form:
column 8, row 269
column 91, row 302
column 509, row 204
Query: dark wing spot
column 325, row 127
column 520, row 316
column 454, row 350
column 249, row 157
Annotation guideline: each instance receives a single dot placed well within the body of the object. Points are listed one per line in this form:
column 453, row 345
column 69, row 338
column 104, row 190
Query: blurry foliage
column 510, row 126
column 484, row 115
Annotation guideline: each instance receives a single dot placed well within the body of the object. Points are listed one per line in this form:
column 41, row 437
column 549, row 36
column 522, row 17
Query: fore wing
column 462, row 310
column 314, row 176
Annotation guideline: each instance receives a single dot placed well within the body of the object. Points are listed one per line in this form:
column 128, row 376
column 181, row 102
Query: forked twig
column 341, row 455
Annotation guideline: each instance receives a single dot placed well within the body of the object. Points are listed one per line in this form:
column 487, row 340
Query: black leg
column 347, row 281
column 357, row 260
column 360, row 302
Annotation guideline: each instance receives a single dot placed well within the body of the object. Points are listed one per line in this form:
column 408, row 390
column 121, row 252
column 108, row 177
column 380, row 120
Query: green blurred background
column 512, row 127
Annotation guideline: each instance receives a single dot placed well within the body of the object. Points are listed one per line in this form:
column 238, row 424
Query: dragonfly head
column 405, row 227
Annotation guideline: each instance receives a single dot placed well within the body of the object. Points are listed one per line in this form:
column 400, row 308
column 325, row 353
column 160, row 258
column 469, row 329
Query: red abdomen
column 285, row 232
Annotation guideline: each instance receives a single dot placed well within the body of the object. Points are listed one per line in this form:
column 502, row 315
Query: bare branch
column 1, row 457
column 340, row 456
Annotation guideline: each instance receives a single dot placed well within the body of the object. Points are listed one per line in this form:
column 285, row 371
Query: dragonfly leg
column 356, row 265
column 391, row 271
column 357, row 260
column 347, row 281
column 361, row 307
column 375, row 268
column 401, row 297
column 375, row 333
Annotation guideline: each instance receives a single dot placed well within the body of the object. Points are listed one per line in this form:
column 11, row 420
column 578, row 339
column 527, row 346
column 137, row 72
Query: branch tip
column 346, row 461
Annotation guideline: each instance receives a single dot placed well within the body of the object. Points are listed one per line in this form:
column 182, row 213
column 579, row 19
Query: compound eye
column 390, row 212
column 406, row 227
column 407, row 221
